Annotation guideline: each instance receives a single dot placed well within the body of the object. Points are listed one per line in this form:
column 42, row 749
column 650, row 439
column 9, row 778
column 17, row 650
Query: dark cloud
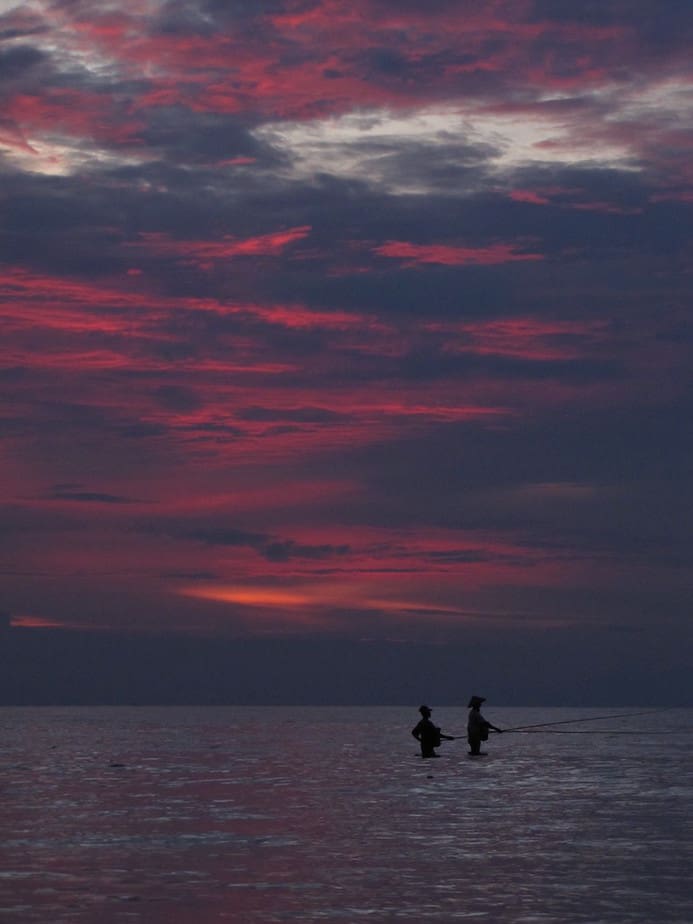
column 300, row 414
column 270, row 547
column 269, row 321
column 67, row 493
column 592, row 487
column 182, row 575
column 24, row 522
column 590, row 447
column 284, row 550
column 178, row 398
column 421, row 366
column 207, row 138
column 637, row 15
column 227, row 536
column 16, row 61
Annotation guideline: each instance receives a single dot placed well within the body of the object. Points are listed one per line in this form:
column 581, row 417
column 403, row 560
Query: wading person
column 427, row 734
column 477, row 726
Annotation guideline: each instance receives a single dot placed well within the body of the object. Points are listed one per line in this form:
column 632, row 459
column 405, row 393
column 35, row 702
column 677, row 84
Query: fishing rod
column 593, row 718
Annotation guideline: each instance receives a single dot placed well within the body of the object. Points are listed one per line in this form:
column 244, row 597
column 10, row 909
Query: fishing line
column 593, row 718
column 598, row 731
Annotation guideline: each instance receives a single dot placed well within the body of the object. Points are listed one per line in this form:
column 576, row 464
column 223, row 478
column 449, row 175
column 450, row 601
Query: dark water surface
column 190, row 816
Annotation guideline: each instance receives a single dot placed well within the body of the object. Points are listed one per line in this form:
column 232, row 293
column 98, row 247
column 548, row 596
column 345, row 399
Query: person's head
column 476, row 701
column 425, row 711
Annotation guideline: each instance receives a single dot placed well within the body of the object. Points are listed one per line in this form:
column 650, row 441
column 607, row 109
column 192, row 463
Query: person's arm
column 490, row 725
column 416, row 731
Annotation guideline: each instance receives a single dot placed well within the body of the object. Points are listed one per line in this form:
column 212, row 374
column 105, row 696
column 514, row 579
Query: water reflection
column 157, row 816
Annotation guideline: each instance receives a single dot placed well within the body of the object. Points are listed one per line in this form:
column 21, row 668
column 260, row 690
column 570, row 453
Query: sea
column 177, row 815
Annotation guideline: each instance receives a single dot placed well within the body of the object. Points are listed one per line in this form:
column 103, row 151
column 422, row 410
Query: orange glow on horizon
column 358, row 594
column 36, row 622
column 249, row 596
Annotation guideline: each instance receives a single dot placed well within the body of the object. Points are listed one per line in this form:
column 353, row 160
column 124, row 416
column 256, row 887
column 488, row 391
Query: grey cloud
column 339, row 212
column 603, row 446
column 226, row 536
column 461, row 556
column 626, row 474
column 182, row 575
column 191, row 137
column 178, row 398
column 646, row 18
column 386, row 60
column 62, row 493
column 451, row 169
column 422, row 366
column 285, row 550
column 271, row 547
column 299, row 415
column 22, row 520
column 14, row 374
column 64, row 440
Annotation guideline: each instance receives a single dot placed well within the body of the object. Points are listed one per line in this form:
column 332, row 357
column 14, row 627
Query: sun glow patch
column 310, row 602
column 340, row 606
column 248, row 596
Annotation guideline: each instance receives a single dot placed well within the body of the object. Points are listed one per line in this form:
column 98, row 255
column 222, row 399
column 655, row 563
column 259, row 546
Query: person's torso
column 430, row 734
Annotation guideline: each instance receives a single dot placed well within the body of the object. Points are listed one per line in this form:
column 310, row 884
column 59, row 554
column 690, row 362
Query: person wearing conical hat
column 427, row 734
column 477, row 726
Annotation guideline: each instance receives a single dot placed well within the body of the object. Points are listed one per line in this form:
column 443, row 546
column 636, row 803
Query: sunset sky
column 350, row 337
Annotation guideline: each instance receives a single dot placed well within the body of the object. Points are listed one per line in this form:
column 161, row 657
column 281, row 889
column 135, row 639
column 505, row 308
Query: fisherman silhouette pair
column 429, row 735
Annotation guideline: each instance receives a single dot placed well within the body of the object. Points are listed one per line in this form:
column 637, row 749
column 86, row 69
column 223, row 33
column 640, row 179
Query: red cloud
column 527, row 195
column 302, row 61
column 531, row 338
column 201, row 253
column 75, row 113
column 317, row 59
column 448, row 255
column 568, row 198
column 239, row 161
column 36, row 622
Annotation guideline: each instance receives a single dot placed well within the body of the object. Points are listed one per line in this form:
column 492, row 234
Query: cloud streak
column 363, row 319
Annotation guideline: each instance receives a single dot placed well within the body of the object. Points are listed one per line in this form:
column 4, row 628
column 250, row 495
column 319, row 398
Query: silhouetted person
column 477, row 726
column 428, row 734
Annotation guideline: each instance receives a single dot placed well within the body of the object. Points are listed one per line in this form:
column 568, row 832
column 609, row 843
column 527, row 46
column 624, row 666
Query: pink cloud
column 309, row 61
column 239, row 161
column 449, row 255
column 532, row 338
column 75, row 113
column 328, row 70
column 527, row 195
column 202, row 253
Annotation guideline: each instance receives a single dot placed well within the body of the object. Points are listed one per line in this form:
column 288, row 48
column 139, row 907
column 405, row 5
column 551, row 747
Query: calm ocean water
column 199, row 815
